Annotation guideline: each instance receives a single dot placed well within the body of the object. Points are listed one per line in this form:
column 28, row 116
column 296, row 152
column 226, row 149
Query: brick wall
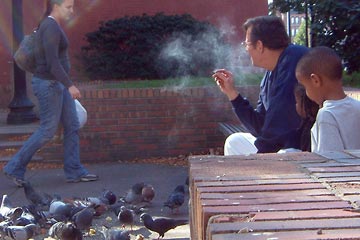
column 139, row 123
column 227, row 14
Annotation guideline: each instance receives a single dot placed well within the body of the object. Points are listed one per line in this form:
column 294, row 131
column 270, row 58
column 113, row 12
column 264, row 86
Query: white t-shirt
column 337, row 126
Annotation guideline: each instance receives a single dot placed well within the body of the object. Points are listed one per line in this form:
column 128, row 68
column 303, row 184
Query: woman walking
column 55, row 93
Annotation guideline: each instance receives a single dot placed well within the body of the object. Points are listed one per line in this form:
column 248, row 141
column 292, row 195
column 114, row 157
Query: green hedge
column 151, row 47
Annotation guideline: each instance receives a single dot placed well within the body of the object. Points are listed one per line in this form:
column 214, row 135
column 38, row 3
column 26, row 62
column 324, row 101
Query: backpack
column 25, row 54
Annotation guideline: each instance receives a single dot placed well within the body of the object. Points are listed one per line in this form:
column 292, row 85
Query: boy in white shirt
column 337, row 125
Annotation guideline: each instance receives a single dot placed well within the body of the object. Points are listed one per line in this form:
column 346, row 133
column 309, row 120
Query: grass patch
column 249, row 79
column 352, row 80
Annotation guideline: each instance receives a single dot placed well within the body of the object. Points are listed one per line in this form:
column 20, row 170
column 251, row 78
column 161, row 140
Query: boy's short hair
column 270, row 30
column 322, row 61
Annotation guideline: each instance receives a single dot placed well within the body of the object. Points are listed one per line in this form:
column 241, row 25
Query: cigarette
column 216, row 70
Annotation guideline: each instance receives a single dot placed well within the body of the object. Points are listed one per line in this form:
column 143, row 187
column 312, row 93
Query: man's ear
column 260, row 45
column 316, row 80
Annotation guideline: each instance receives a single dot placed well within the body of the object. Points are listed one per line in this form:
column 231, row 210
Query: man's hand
column 74, row 92
column 224, row 79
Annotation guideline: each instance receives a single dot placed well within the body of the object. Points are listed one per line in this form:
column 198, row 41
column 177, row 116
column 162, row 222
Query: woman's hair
column 310, row 107
column 49, row 7
column 270, row 30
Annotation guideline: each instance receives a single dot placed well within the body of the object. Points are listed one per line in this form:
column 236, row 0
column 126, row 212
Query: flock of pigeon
column 72, row 218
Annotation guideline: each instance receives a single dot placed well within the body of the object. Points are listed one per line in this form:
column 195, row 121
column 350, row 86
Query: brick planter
column 140, row 123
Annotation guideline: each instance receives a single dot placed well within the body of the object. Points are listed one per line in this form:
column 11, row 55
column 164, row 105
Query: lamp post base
column 21, row 111
column 22, row 116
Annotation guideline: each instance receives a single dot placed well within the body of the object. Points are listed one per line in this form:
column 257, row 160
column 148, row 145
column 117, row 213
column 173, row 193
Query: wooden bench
column 229, row 128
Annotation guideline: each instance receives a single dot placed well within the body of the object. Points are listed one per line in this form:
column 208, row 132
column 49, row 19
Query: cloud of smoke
column 186, row 55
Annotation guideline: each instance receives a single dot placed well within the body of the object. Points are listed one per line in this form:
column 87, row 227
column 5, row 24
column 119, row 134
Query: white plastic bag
column 81, row 113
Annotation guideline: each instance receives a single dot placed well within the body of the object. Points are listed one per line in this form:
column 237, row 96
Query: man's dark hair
column 270, row 30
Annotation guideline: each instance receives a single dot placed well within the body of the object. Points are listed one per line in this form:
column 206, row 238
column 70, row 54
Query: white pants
column 240, row 144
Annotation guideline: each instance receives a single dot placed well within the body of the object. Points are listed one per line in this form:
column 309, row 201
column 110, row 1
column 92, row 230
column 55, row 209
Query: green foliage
column 284, row 6
column 337, row 25
column 300, row 37
column 334, row 23
column 150, row 47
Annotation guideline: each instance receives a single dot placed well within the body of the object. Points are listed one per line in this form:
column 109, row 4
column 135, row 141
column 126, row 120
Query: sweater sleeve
column 51, row 42
column 252, row 119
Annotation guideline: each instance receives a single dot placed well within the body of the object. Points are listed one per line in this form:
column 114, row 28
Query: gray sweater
column 337, row 126
column 52, row 60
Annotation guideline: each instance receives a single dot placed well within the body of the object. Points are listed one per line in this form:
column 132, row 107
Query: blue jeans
column 55, row 105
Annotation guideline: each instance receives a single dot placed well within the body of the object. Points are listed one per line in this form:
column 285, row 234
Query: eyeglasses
column 246, row 44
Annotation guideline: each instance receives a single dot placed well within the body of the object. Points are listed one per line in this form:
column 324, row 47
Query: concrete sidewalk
column 117, row 177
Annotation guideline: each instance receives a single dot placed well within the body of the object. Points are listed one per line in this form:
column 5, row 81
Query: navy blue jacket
column 275, row 116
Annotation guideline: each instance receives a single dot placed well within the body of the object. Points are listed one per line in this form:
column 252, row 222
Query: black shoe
column 86, row 178
column 18, row 182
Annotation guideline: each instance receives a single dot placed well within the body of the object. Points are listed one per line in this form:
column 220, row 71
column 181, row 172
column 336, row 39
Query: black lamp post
column 21, row 108
column 306, row 24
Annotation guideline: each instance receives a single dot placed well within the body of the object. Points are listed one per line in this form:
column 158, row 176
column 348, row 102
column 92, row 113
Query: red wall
column 126, row 124
column 88, row 14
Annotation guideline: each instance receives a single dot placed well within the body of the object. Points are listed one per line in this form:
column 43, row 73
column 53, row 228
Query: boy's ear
column 316, row 80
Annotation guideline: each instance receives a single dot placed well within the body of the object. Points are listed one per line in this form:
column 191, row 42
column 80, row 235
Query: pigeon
column 23, row 221
column 138, row 209
column 76, row 209
column 126, row 216
column 54, row 205
column 34, row 197
column 115, row 234
column 25, row 218
column 147, row 193
column 13, row 213
column 6, row 206
column 83, row 218
column 98, row 204
column 96, row 200
column 161, row 225
column 65, row 231
column 7, row 211
column 134, row 195
column 62, row 213
column 109, row 196
column 100, row 209
column 21, row 232
column 41, row 217
column 5, row 224
column 176, row 198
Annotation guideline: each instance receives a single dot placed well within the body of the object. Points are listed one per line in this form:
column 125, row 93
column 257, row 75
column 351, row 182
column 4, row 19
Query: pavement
column 117, row 177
